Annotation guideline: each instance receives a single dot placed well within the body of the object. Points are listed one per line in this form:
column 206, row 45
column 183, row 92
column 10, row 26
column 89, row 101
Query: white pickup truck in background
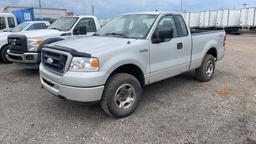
column 7, row 22
column 25, row 26
column 129, row 52
column 25, row 48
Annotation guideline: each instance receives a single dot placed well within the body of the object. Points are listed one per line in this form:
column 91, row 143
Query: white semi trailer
column 208, row 19
column 213, row 19
column 228, row 19
column 202, row 19
column 247, row 18
column 231, row 20
column 194, row 21
column 186, row 17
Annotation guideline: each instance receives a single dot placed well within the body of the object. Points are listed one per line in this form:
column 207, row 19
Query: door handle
column 179, row 45
column 143, row 50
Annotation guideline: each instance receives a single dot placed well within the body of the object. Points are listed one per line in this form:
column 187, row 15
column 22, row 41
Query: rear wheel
column 121, row 95
column 4, row 55
column 206, row 72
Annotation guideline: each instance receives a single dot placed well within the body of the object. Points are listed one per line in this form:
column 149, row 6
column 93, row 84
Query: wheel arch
column 131, row 69
column 3, row 46
column 213, row 51
column 1, row 53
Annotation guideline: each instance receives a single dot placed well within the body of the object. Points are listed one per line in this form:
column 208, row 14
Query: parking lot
column 177, row 110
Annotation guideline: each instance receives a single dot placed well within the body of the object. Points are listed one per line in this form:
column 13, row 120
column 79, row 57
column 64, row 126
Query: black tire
column 201, row 72
column 109, row 101
column 4, row 55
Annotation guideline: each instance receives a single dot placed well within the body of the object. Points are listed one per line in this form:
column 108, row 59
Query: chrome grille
column 54, row 61
column 17, row 43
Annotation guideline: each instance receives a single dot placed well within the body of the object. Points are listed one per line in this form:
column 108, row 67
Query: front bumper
column 75, row 89
column 29, row 57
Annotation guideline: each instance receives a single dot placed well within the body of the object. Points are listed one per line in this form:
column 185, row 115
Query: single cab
column 25, row 48
column 129, row 52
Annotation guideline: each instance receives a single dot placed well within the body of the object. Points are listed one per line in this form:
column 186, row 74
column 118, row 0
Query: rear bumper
column 221, row 54
column 30, row 57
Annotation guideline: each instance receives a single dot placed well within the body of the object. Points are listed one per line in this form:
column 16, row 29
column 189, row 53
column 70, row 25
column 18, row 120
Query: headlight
column 33, row 44
column 80, row 64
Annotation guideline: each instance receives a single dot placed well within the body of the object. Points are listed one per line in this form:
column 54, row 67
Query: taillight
column 225, row 40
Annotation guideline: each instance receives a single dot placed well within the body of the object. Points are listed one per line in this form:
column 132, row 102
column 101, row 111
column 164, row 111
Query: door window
column 11, row 22
column 167, row 22
column 85, row 25
column 2, row 23
column 181, row 26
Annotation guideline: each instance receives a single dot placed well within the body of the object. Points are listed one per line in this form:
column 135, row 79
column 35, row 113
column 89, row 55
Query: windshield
column 20, row 27
column 63, row 24
column 128, row 26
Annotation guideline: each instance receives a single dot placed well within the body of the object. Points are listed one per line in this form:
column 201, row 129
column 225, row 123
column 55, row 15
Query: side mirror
column 163, row 35
column 80, row 31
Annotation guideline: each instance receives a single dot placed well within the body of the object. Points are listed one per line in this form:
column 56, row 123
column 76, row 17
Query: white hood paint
column 96, row 44
column 3, row 38
column 4, row 35
column 45, row 33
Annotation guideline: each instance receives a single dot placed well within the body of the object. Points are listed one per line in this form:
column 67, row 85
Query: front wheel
column 121, row 95
column 4, row 55
column 206, row 72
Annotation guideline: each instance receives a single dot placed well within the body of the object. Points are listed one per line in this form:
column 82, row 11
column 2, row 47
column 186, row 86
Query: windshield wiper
column 95, row 34
column 117, row 34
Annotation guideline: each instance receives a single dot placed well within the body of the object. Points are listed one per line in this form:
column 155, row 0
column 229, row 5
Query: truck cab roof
column 154, row 12
column 83, row 16
column 7, row 14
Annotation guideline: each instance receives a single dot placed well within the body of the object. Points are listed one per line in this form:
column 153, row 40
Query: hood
column 41, row 33
column 4, row 35
column 96, row 44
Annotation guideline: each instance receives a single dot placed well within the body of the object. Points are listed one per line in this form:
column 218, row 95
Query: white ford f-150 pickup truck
column 25, row 48
column 25, row 26
column 129, row 52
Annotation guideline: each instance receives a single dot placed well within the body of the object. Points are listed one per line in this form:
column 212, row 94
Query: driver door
column 85, row 27
column 167, row 57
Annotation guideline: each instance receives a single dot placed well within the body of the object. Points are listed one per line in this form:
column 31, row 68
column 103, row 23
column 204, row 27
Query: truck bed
column 203, row 31
column 203, row 39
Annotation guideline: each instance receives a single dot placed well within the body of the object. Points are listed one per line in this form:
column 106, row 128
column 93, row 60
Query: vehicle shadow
column 13, row 73
column 151, row 94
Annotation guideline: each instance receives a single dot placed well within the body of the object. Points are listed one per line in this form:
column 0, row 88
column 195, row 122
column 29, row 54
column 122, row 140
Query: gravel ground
column 177, row 110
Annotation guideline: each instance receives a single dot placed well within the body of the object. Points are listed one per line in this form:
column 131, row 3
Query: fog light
column 29, row 57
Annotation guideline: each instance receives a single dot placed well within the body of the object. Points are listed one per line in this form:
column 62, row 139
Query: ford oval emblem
column 49, row 60
column 13, row 43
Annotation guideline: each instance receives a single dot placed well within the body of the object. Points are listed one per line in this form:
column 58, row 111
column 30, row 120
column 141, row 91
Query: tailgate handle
column 179, row 45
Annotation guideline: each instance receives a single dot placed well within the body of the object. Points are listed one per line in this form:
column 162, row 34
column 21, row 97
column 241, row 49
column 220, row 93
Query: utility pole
column 245, row 4
column 181, row 5
column 39, row 3
column 92, row 9
column 84, row 7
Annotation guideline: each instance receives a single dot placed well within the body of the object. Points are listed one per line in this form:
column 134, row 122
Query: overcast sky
column 110, row 8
